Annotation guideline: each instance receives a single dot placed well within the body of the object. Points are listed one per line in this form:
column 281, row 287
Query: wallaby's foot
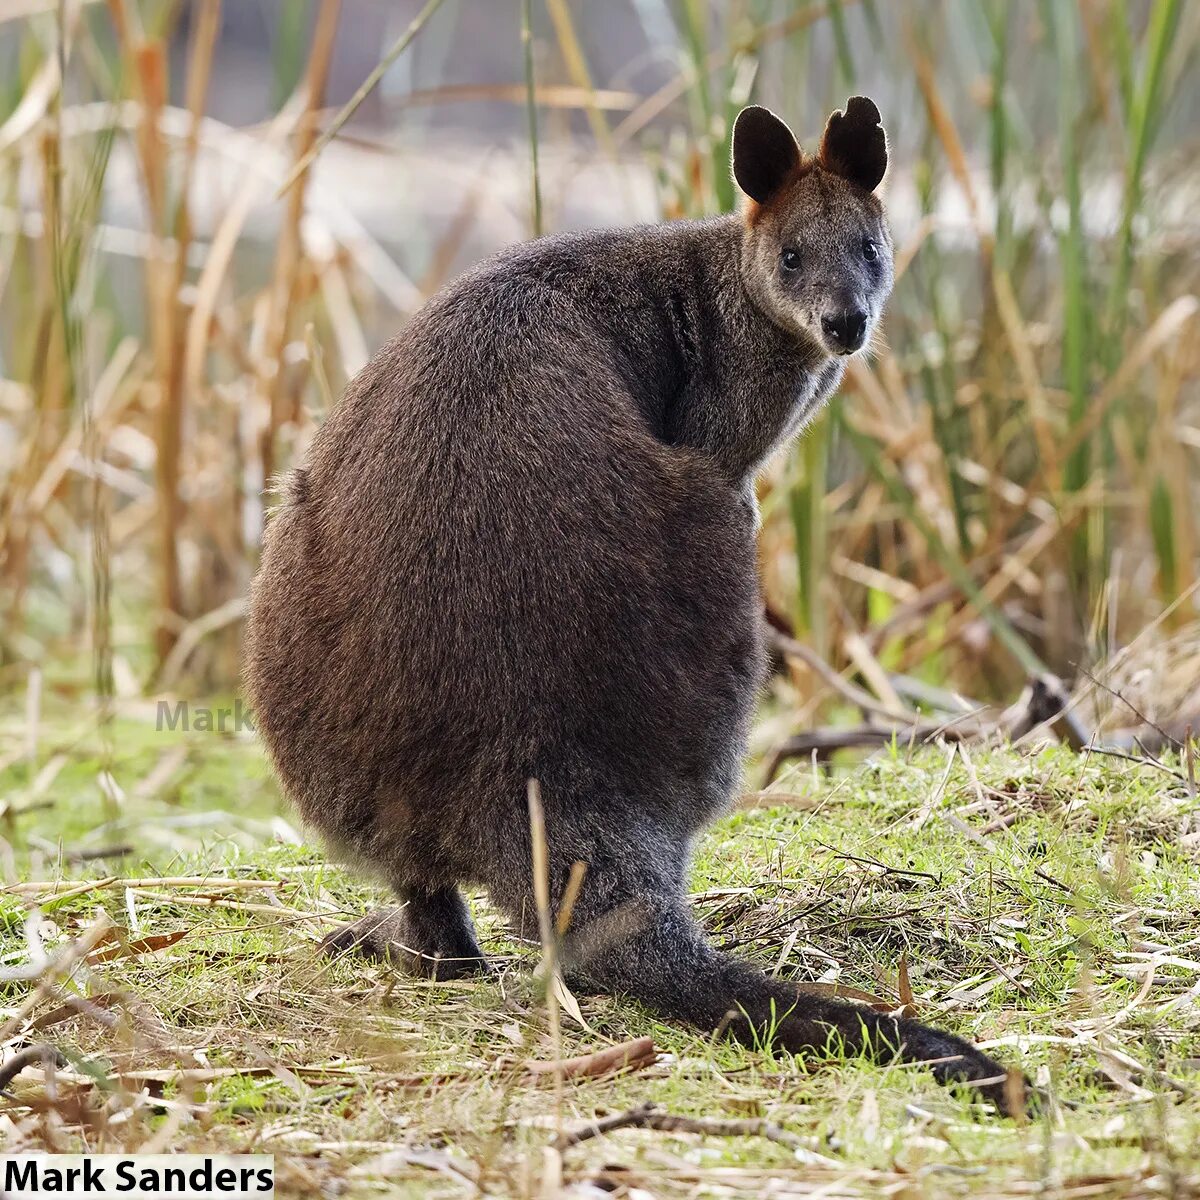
column 429, row 936
column 653, row 950
column 952, row 1060
column 377, row 937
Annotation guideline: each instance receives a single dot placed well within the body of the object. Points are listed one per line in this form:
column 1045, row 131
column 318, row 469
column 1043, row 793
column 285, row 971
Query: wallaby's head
column 817, row 256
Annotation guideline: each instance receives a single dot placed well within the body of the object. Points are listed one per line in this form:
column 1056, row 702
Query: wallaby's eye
column 870, row 250
column 790, row 260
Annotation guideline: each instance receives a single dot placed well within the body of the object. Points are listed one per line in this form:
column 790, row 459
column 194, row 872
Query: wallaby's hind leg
column 651, row 948
column 429, row 935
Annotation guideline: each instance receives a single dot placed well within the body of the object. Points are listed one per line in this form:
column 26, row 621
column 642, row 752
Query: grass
column 1029, row 898
column 1009, row 481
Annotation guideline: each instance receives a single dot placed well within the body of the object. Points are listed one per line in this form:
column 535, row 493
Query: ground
column 1046, row 904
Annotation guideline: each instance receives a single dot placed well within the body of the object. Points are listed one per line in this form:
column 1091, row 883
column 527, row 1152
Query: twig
column 240, row 906
column 852, row 918
column 192, row 634
column 43, row 1052
column 1137, row 712
column 1144, row 759
column 284, row 287
column 734, row 943
column 824, row 742
column 570, row 895
column 1044, row 702
column 791, row 648
column 60, row 889
column 625, row 1056
column 871, row 862
column 962, row 827
column 648, row 1116
column 86, row 856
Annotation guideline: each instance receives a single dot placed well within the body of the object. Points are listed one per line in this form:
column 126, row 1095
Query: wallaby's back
column 491, row 569
column 522, row 548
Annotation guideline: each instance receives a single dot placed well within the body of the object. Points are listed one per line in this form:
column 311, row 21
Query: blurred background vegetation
column 1009, row 484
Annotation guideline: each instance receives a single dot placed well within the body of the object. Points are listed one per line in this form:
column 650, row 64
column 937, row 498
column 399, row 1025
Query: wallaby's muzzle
column 845, row 331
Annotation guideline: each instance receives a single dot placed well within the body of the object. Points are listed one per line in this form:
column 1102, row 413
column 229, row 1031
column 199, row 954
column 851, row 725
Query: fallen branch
column 648, row 1116
column 826, row 742
column 55, row 888
column 42, row 1053
column 1044, row 704
column 626, row 1056
column 789, row 647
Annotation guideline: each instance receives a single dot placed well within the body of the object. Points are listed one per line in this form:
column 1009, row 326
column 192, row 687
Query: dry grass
column 1009, row 482
column 1045, row 904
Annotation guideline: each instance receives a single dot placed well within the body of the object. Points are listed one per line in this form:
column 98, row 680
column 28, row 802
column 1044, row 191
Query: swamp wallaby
column 523, row 547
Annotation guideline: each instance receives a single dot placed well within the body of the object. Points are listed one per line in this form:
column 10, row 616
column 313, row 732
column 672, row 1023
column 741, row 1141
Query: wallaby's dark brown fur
column 523, row 547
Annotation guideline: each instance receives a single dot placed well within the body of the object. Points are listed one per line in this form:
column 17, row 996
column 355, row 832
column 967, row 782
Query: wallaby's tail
column 657, row 953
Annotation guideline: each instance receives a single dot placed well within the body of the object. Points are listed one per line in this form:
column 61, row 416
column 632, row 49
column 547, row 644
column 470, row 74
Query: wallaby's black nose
column 846, row 329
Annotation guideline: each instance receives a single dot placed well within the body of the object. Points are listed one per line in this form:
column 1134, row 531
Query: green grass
column 1036, row 377
column 1033, row 938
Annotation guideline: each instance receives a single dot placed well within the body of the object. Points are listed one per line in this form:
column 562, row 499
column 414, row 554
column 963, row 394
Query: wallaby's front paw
column 382, row 936
column 364, row 939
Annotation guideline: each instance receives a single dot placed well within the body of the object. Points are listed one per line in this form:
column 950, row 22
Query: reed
column 1009, row 482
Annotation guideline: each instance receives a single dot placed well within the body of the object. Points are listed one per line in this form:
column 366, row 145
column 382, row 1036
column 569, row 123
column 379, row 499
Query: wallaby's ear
column 764, row 153
column 855, row 145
